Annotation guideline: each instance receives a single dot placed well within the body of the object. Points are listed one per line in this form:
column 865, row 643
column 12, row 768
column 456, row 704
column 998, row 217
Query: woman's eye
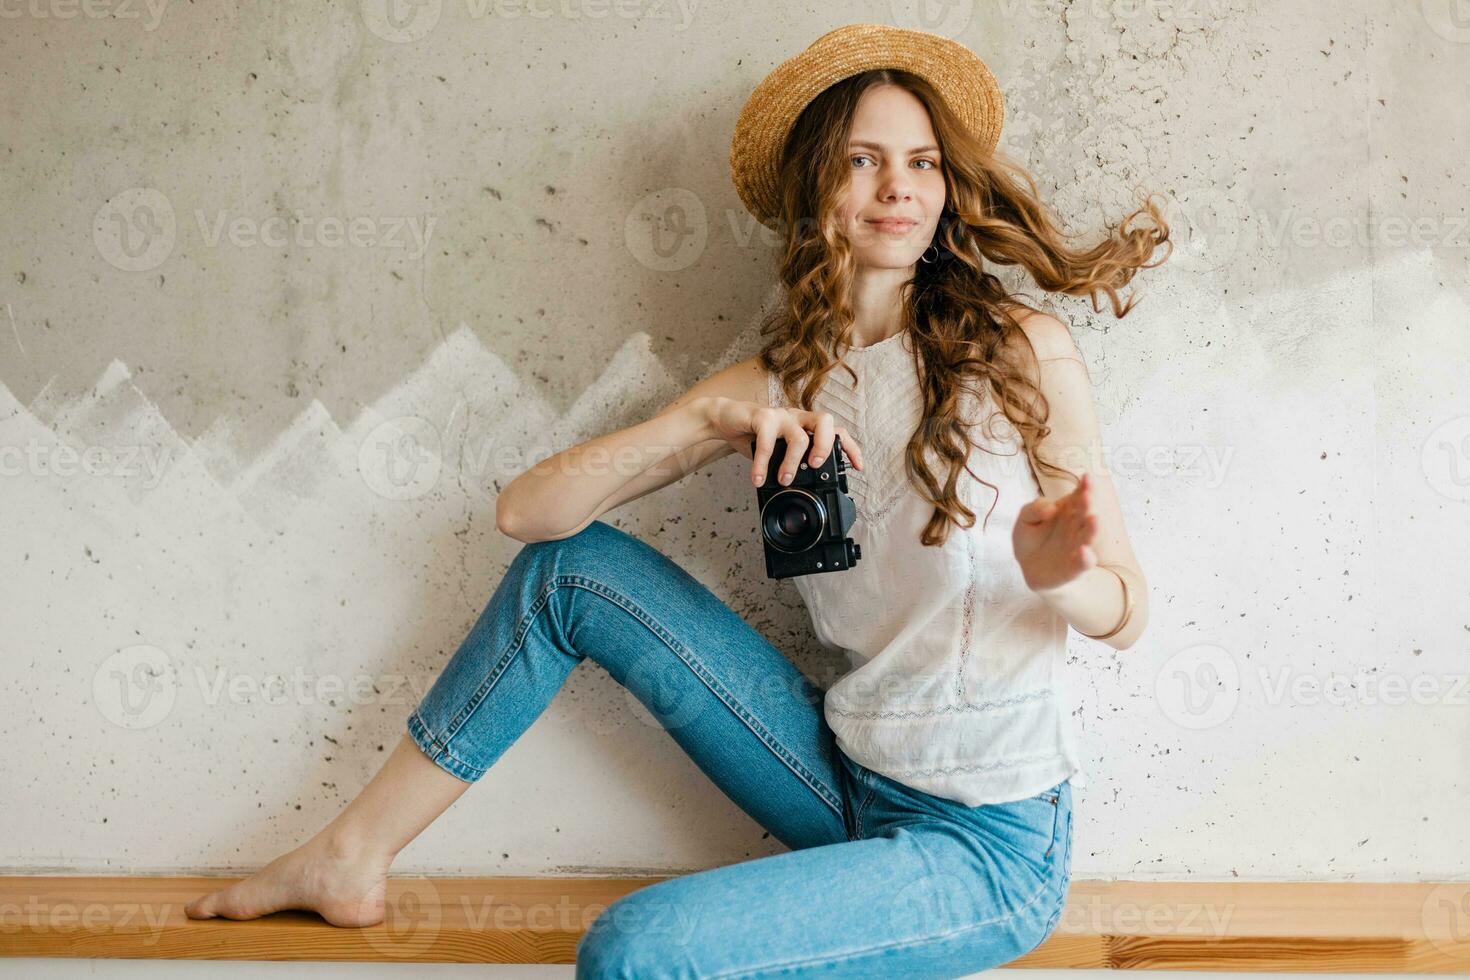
column 864, row 156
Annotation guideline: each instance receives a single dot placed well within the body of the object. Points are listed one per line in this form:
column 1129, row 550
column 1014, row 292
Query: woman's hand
column 737, row 421
column 1053, row 539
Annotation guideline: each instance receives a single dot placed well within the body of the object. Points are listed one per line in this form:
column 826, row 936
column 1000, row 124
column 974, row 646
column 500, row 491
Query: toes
column 202, row 907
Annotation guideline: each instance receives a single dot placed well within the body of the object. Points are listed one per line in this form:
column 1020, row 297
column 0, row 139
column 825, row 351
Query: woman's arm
column 562, row 494
column 1092, row 602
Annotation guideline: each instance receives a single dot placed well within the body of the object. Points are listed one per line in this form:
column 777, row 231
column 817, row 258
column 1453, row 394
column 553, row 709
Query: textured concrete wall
column 290, row 291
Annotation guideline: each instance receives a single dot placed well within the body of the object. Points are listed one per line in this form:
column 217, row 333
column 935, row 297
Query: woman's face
column 893, row 162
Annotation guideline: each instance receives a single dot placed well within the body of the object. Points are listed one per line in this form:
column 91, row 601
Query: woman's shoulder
column 1048, row 337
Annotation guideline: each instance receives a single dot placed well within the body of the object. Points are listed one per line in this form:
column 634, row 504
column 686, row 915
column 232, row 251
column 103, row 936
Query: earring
column 924, row 258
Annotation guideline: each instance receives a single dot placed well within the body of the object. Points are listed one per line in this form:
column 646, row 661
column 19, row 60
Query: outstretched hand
column 1053, row 539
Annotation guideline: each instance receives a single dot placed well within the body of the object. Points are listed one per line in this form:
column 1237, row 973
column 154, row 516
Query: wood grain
column 1349, row 927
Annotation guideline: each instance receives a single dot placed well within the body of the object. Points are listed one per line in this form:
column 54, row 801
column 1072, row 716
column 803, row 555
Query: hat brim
column 956, row 72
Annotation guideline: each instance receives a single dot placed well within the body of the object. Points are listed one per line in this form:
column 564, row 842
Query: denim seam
column 467, row 710
column 863, row 808
column 710, row 681
column 419, row 729
column 848, row 955
column 1056, row 913
column 657, row 628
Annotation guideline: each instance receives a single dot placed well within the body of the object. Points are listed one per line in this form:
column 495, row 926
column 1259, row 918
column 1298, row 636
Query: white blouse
column 953, row 687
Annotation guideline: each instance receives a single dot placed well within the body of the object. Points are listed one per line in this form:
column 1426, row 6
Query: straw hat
column 953, row 69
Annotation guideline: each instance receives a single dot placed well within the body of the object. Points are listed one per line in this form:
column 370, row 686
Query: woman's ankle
column 350, row 846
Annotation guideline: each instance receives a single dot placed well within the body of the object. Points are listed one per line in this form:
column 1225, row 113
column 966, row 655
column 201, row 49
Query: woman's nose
column 895, row 184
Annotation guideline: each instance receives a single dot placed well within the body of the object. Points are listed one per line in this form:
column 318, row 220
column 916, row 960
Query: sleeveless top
column 953, row 685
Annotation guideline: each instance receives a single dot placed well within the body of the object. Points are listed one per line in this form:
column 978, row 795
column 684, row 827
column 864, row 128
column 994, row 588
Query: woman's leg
column 341, row 873
column 730, row 699
column 925, row 896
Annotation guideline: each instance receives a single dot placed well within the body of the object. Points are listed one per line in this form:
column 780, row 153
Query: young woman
column 926, row 797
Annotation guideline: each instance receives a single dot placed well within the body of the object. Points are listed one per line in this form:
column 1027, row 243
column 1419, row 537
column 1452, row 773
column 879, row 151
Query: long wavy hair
column 965, row 335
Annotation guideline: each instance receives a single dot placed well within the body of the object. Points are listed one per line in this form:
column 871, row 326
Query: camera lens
column 792, row 520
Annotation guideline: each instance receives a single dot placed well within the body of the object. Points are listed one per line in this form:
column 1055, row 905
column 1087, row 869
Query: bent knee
column 599, row 549
column 637, row 936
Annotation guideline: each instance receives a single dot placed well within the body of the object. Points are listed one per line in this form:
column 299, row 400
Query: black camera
column 804, row 524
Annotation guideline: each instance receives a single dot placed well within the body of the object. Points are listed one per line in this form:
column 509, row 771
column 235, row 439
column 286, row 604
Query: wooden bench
column 1348, row 927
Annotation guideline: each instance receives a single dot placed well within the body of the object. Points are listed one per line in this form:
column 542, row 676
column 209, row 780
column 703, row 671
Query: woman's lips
column 892, row 225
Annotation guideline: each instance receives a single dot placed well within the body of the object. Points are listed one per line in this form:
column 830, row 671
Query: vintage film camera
column 804, row 524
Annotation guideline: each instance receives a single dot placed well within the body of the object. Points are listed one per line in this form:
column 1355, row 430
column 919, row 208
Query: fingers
column 791, row 425
column 796, row 443
column 766, row 429
column 821, row 438
column 850, row 447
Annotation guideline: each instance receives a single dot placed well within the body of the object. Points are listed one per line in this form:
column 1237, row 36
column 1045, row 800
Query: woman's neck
column 877, row 310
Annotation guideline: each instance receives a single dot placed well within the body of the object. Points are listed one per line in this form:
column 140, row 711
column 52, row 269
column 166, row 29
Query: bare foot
column 346, row 889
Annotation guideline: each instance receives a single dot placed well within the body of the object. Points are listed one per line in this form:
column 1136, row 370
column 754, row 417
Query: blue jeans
column 881, row 880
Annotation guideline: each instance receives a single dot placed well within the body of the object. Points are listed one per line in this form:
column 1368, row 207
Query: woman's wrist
column 1093, row 603
column 702, row 408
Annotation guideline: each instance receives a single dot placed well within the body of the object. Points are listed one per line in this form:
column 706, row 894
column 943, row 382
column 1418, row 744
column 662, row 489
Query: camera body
column 804, row 524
